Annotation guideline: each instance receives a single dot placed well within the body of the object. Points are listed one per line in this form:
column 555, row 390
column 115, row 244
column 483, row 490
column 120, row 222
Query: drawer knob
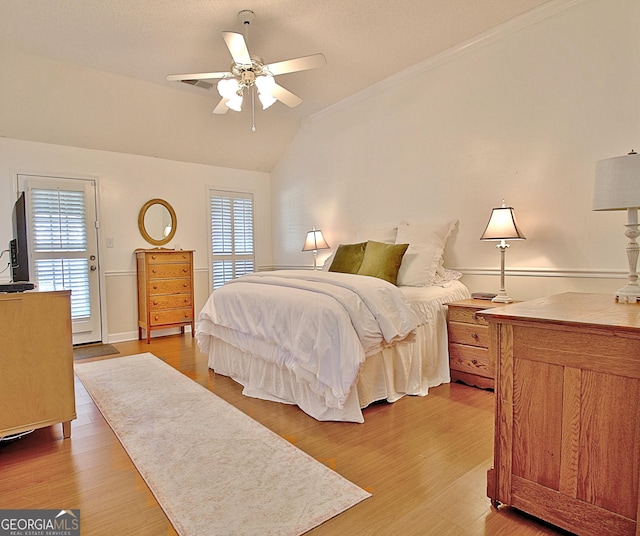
column 153, row 271
column 155, row 317
column 155, row 287
column 474, row 335
column 153, row 256
column 185, row 285
column 474, row 361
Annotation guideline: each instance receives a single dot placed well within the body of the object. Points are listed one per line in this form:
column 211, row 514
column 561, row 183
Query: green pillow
column 382, row 260
column 348, row 258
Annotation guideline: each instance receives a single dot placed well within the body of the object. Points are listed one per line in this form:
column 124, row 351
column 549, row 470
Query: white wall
column 523, row 116
column 125, row 183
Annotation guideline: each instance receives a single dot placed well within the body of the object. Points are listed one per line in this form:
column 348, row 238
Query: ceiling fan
column 250, row 73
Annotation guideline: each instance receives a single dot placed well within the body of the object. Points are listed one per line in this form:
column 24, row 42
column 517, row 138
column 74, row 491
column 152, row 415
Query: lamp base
column 502, row 298
column 629, row 294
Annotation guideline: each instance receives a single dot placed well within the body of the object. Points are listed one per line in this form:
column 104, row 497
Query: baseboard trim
column 127, row 336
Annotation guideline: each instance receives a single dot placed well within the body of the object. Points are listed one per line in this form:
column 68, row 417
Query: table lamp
column 617, row 187
column 502, row 226
column 314, row 242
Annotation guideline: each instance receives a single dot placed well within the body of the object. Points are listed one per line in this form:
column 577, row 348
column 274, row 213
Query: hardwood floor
column 423, row 458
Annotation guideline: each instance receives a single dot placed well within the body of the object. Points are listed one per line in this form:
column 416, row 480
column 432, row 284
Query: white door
column 63, row 246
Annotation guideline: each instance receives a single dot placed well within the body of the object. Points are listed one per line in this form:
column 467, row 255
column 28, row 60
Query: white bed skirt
column 410, row 367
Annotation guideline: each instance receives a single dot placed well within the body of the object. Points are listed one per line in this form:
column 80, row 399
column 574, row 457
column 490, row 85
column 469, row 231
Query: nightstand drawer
column 466, row 315
column 470, row 334
column 470, row 359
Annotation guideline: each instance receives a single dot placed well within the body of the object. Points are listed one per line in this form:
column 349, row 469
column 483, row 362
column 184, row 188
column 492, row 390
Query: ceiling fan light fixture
column 247, row 71
column 235, row 103
column 265, row 84
column 229, row 88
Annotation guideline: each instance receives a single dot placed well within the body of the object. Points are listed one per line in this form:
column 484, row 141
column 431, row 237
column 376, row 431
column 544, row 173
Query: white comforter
column 322, row 331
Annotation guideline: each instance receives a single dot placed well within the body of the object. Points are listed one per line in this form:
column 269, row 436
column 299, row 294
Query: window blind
column 232, row 246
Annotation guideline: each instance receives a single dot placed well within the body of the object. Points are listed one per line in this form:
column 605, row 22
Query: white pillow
column 329, row 260
column 433, row 235
column 419, row 266
column 425, row 234
column 446, row 276
column 386, row 235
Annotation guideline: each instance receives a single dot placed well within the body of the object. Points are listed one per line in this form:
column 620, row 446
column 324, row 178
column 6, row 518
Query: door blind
column 58, row 229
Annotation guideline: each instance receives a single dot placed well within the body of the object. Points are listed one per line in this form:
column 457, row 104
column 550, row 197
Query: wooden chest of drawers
column 469, row 343
column 165, row 290
column 567, row 426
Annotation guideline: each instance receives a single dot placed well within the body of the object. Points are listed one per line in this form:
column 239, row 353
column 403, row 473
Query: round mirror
column 157, row 222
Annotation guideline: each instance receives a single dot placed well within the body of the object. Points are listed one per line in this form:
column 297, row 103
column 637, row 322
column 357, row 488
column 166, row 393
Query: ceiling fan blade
column 221, row 108
column 297, row 64
column 285, row 96
column 237, row 47
column 196, row 76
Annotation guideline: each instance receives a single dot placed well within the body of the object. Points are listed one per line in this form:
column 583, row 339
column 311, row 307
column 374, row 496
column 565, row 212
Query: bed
column 333, row 341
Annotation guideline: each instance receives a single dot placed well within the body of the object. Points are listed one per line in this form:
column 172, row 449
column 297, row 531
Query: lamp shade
column 502, row 225
column 617, row 185
column 315, row 241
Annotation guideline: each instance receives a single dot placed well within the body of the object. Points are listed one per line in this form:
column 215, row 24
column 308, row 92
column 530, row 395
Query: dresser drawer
column 174, row 316
column 168, row 257
column 470, row 359
column 163, row 271
column 469, row 334
column 170, row 301
column 170, row 286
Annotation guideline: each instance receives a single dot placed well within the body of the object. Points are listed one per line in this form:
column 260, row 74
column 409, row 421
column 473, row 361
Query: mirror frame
column 143, row 231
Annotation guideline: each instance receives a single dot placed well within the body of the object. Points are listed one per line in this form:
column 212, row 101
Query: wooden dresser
column 165, row 290
column 36, row 362
column 469, row 343
column 567, row 428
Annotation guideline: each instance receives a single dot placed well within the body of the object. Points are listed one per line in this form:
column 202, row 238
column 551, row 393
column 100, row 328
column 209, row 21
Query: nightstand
column 469, row 343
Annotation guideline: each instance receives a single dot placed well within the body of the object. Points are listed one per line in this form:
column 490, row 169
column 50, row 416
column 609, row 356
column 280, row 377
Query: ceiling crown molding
column 501, row 31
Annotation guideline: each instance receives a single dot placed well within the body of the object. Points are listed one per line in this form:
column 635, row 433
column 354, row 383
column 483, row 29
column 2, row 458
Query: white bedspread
column 322, row 332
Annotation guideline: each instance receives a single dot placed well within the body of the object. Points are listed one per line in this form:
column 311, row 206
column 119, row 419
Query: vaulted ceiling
column 364, row 42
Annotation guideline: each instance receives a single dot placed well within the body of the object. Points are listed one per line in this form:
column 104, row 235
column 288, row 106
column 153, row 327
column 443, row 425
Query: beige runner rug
column 213, row 469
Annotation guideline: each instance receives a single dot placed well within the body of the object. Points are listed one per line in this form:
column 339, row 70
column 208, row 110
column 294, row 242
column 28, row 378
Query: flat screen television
column 18, row 246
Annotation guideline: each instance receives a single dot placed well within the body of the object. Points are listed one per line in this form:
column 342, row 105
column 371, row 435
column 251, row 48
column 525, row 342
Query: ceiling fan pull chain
column 253, row 110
